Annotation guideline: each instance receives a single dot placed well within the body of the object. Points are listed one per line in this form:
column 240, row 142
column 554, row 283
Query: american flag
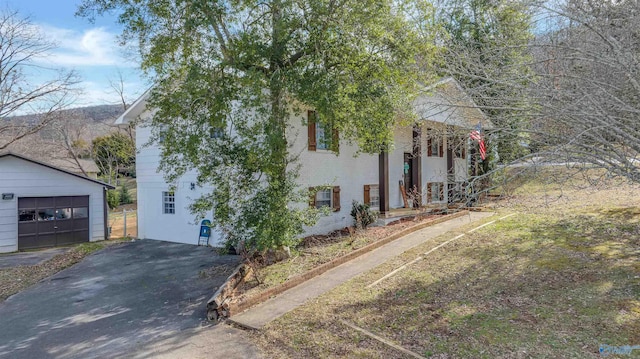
column 476, row 135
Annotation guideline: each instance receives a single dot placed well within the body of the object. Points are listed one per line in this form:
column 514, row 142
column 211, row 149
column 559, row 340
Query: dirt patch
column 217, row 271
column 116, row 222
column 16, row 279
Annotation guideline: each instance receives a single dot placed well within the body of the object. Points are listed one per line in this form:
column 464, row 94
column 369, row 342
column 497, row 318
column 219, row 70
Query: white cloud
column 91, row 47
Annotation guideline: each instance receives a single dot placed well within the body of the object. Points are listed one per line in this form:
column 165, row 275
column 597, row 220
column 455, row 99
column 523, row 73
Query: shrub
column 125, row 197
column 362, row 215
column 113, row 198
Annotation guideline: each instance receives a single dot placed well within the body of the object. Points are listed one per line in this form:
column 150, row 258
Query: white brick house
column 428, row 158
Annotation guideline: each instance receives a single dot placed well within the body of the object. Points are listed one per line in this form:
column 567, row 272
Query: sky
column 90, row 49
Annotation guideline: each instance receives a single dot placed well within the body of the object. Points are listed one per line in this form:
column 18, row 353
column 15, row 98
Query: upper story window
column 161, row 132
column 216, row 132
column 168, row 202
column 434, row 144
column 460, row 149
column 321, row 136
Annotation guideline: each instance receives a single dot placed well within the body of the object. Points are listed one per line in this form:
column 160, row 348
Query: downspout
column 106, row 211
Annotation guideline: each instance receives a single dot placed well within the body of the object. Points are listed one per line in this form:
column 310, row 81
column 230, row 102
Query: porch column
column 416, row 163
column 451, row 176
column 383, row 182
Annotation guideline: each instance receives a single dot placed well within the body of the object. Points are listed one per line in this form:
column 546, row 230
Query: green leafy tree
column 241, row 69
column 487, row 51
column 112, row 153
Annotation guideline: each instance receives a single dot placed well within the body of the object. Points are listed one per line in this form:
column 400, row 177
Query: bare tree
column 71, row 134
column 117, row 86
column 572, row 95
column 21, row 45
column 587, row 86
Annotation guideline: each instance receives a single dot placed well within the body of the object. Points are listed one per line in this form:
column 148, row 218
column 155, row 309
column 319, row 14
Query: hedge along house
column 427, row 168
column 45, row 206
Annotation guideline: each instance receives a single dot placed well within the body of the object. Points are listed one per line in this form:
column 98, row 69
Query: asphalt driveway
column 30, row 258
column 139, row 299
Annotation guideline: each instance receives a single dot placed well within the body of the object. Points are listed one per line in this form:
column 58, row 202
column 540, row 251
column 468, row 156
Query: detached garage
column 45, row 206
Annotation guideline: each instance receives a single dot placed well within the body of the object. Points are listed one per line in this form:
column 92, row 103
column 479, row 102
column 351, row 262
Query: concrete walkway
column 256, row 317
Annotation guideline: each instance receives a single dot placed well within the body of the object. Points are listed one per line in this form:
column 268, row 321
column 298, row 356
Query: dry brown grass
column 116, row 222
column 555, row 281
column 16, row 279
column 320, row 249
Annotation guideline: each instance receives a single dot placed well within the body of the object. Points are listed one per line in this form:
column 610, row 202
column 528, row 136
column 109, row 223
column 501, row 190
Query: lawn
column 556, row 280
column 318, row 249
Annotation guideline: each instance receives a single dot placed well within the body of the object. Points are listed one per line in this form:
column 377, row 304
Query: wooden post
column 383, row 182
column 124, row 214
column 416, row 165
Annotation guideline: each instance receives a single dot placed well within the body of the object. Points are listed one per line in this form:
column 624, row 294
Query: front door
column 408, row 171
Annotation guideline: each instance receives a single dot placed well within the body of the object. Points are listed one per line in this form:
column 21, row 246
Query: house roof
column 134, row 110
column 447, row 102
column 444, row 101
column 10, row 154
column 70, row 165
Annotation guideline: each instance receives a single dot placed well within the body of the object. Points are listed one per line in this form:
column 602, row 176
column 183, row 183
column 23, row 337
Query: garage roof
column 10, row 154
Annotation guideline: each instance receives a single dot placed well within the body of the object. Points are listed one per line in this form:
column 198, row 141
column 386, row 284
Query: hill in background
column 78, row 126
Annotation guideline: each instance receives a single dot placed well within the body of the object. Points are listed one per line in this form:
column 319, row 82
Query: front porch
column 400, row 214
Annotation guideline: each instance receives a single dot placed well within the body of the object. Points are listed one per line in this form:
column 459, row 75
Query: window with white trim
column 459, row 149
column 374, row 196
column 216, row 133
column 437, row 192
column 434, row 143
column 435, row 148
column 324, row 137
column 168, row 202
column 321, row 136
column 323, row 198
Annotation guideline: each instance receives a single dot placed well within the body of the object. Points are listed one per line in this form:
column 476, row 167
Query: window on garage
column 46, row 214
column 63, row 213
column 26, row 215
column 80, row 212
